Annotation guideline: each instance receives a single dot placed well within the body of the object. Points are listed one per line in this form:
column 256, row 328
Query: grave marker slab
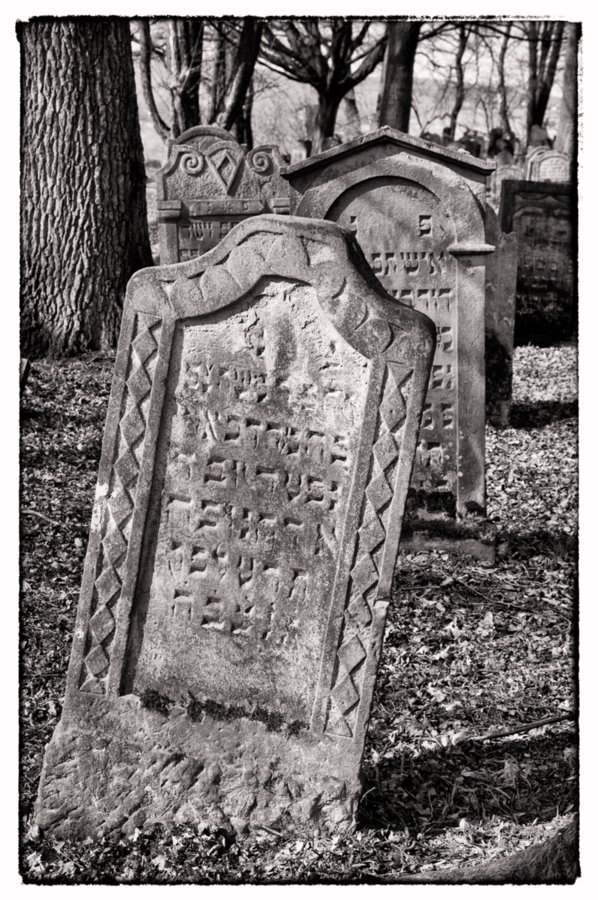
column 417, row 211
column 258, row 447
column 544, row 164
column 500, row 174
column 542, row 216
column 209, row 184
column 501, row 285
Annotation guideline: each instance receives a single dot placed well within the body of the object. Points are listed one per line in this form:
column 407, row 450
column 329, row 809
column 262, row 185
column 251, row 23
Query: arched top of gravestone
column 207, row 162
column 427, row 149
column 318, row 253
column 453, row 178
column 203, row 135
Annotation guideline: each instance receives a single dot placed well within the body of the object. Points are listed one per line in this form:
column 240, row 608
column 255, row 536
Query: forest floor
column 470, row 650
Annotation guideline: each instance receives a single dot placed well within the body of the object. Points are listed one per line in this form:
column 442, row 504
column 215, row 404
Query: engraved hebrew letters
column 256, row 480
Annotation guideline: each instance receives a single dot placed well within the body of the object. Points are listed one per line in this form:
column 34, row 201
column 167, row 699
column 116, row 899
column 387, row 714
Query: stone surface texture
column 418, row 213
column 544, row 164
column 500, row 174
column 501, row 285
column 208, row 185
column 258, row 448
column 542, row 216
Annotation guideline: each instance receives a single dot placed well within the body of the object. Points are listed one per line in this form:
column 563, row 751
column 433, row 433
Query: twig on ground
column 519, row 729
column 39, row 515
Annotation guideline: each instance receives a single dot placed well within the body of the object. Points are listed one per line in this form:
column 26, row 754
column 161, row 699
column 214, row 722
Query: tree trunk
column 542, row 69
column 145, row 71
column 243, row 59
column 83, row 211
column 218, row 81
column 325, row 120
column 243, row 127
column 460, row 86
column 502, row 83
column 190, row 36
column 555, row 861
column 567, row 127
column 395, row 101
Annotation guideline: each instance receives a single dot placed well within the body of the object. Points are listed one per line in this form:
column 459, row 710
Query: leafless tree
column 544, row 45
column 332, row 55
column 225, row 73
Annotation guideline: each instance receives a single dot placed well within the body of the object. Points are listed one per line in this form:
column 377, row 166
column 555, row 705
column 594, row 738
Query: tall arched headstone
column 208, row 185
column 417, row 211
column 256, row 459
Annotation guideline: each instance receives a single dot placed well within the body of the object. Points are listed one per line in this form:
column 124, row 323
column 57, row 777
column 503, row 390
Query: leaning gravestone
column 542, row 216
column 501, row 286
column 256, row 459
column 417, row 211
column 208, row 185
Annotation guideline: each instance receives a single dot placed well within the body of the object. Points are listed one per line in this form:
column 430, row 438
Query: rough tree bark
column 555, row 861
column 395, row 99
column 83, row 211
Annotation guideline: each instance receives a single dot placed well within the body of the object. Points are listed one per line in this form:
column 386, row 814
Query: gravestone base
column 112, row 767
column 474, row 536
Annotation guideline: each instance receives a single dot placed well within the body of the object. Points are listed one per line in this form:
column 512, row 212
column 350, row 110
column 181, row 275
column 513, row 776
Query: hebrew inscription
column 209, row 184
column 262, row 440
column 404, row 234
column 255, row 465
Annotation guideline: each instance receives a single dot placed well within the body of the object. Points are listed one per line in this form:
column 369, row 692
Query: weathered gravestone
column 500, row 174
column 259, row 442
column 417, row 211
column 501, row 285
column 542, row 216
column 544, row 164
column 209, row 184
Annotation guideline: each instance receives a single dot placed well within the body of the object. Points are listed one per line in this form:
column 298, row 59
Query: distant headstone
column 542, row 216
column 259, row 440
column 500, row 174
column 544, row 164
column 417, row 211
column 501, row 283
column 209, row 184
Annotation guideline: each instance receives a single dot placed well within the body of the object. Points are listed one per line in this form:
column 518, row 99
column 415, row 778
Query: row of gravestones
column 263, row 425
column 417, row 210
column 541, row 164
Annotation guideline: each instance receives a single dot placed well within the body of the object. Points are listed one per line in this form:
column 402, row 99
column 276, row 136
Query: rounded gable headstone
column 255, row 466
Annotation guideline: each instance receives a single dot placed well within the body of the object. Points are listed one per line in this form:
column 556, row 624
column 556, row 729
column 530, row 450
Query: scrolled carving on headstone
column 258, row 447
column 209, row 184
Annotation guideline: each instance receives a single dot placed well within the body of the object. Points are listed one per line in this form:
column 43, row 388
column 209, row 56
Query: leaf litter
column 469, row 650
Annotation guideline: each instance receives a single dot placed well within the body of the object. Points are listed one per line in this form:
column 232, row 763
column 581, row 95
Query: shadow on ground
column 544, row 412
column 523, row 780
